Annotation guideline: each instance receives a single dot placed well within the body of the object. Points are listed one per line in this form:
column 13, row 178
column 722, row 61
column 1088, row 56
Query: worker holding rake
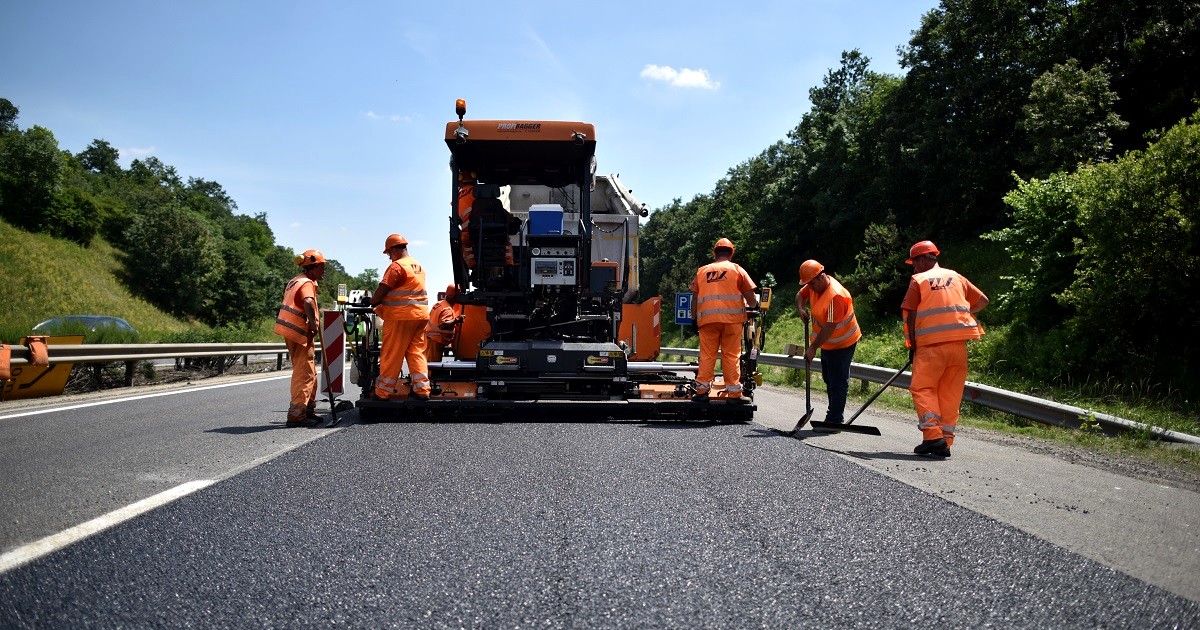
column 939, row 317
column 835, row 332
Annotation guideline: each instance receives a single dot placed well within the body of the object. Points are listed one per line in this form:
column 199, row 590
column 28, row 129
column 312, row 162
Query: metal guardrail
column 1040, row 410
column 1033, row 408
column 130, row 354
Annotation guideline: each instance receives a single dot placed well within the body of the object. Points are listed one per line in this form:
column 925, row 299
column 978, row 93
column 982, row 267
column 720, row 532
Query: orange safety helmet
column 921, row 248
column 810, row 269
column 726, row 243
column 392, row 241
column 309, row 258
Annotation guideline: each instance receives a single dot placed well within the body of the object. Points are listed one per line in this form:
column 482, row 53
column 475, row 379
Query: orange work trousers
column 939, row 377
column 304, row 377
column 727, row 338
column 433, row 350
column 403, row 340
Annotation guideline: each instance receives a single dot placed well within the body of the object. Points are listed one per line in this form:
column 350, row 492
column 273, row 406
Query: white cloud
column 683, row 78
column 390, row 117
column 136, row 151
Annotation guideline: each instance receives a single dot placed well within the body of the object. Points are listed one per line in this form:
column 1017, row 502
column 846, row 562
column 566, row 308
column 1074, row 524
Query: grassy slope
column 44, row 276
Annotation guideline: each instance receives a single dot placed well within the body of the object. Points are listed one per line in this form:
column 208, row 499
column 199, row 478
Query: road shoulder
column 1143, row 527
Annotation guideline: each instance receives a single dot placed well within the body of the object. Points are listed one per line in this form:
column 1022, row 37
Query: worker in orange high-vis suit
column 444, row 318
column 402, row 304
column 466, row 203
column 298, row 322
column 835, row 332
column 939, row 318
column 723, row 293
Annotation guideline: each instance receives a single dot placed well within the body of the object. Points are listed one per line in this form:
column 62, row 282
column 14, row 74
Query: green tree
column 174, row 259
column 1070, row 117
column 100, row 157
column 8, row 116
column 30, row 166
column 1135, row 286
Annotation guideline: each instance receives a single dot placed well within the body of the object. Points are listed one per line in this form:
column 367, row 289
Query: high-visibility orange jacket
column 440, row 328
column 845, row 330
column 291, row 321
column 719, row 287
column 406, row 298
column 941, row 299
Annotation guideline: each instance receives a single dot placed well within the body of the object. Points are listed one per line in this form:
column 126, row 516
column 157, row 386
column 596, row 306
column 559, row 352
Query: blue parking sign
column 683, row 308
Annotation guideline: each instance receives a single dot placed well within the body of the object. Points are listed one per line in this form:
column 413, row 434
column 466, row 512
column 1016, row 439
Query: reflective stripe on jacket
column 719, row 288
column 291, row 322
column 408, row 300
column 944, row 314
column 845, row 332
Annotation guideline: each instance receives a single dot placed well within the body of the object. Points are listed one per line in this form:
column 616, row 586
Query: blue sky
column 328, row 116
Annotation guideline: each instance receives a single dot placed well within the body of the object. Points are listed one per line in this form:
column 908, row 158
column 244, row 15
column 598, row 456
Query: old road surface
column 203, row 511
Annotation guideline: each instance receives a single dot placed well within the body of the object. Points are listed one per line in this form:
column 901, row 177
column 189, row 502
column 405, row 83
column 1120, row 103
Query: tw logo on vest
column 940, row 284
column 715, row 276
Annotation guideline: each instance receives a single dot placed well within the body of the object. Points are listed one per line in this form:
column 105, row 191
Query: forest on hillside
column 186, row 248
column 1064, row 131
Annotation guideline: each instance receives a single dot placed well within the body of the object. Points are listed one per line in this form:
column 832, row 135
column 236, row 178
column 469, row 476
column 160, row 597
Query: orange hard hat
column 309, row 258
column 392, row 241
column 451, row 291
column 921, row 248
column 810, row 269
column 726, row 243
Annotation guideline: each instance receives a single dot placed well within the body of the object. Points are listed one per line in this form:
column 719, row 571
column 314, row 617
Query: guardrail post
column 97, row 371
column 220, row 365
column 278, row 362
column 129, row 365
column 245, row 360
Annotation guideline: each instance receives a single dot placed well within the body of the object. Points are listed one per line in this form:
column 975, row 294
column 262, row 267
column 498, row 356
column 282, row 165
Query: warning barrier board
column 333, row 345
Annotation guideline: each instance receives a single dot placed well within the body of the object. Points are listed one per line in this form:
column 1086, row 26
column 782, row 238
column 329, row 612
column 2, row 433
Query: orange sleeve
column 912, row 299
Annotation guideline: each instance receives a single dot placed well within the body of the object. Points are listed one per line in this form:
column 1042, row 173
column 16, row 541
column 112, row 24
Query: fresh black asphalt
column 575, row 524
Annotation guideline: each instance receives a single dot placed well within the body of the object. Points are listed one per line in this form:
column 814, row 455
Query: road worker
column 835, row 332
column 724, row 292
column 444, row 318
column 464, row 207
column 298, row 322
column 939, row 317
column 402, row 304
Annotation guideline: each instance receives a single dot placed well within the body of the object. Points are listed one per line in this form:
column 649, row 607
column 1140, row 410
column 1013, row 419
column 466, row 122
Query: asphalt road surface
column 562, row 524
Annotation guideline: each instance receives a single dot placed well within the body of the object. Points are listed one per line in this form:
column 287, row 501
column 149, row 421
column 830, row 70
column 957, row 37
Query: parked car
column 84, row 322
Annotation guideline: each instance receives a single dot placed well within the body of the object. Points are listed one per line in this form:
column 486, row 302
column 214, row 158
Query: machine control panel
column 554, row 266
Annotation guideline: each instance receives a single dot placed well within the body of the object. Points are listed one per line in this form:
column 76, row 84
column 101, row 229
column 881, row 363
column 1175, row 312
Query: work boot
column 310, row 413
column 936, row 447
column 301, row 422
column 700, row 397
column 420, row 397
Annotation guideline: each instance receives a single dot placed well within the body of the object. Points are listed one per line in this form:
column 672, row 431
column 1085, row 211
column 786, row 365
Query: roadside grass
column 45, row 277
column 1144, row 402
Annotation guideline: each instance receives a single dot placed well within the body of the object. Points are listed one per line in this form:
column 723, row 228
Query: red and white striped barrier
column 333, row 345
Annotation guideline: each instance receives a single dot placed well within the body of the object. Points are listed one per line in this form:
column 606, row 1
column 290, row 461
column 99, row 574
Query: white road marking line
column 129, row 398
column 54, row 542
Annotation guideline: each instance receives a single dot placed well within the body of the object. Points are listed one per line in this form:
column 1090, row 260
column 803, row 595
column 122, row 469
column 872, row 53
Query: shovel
column 835, row 427
column 807, row 389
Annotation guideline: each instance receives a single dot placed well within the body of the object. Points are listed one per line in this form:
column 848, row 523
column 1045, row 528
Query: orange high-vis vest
column 944, row 314
column 719, row 297
column 291, row 322
column 845, row 332
column 409, row 300
column 442, row 314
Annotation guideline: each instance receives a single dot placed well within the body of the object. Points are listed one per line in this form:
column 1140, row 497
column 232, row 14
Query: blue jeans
column 835, row 371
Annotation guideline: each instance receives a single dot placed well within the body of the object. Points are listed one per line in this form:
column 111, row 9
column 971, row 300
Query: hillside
column 45, row 276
